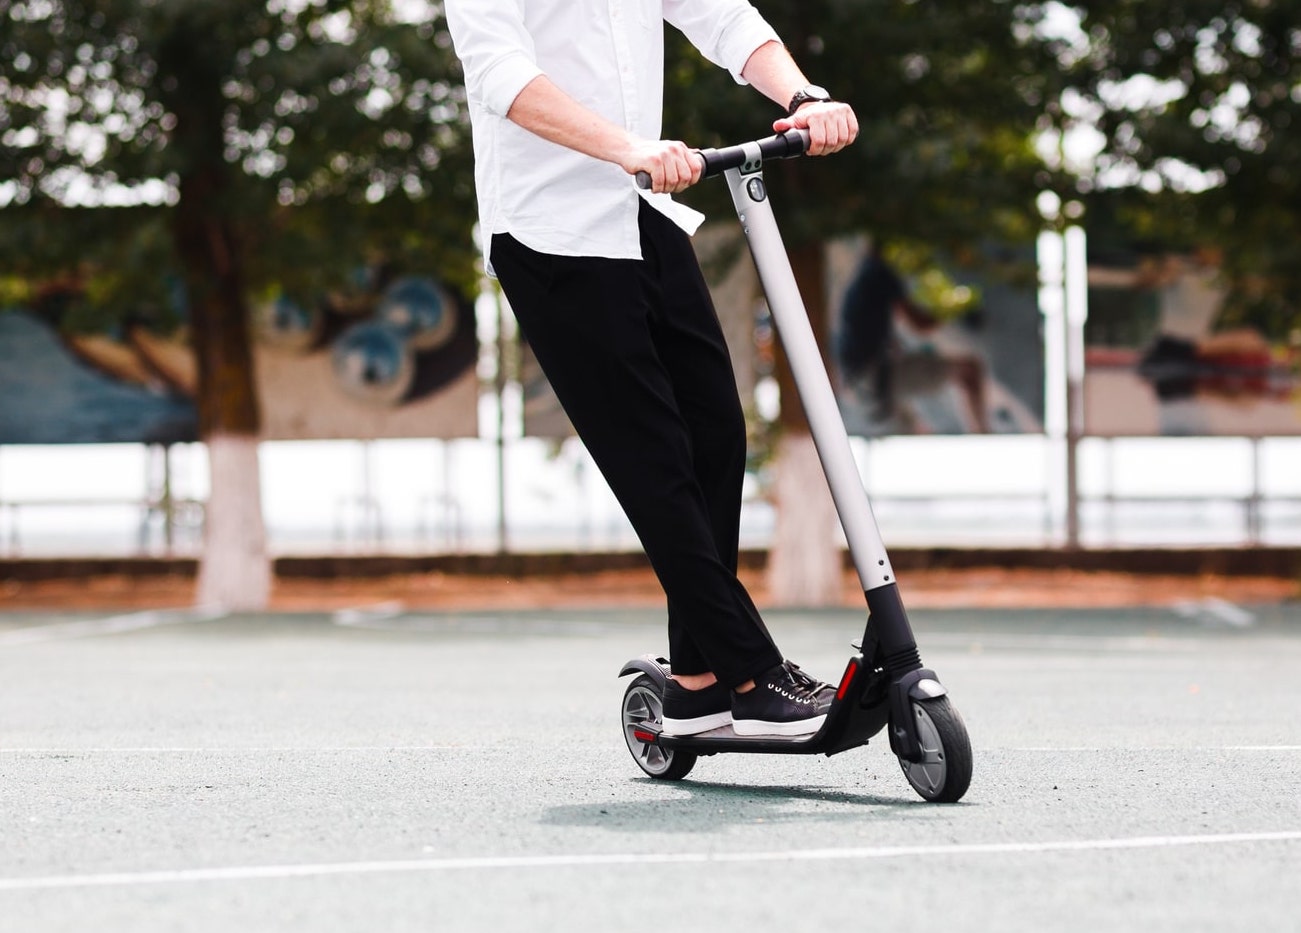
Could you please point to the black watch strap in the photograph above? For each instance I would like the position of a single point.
(810, 92)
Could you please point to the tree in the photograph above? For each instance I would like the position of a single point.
(263, 144)
(948, 98)
(1198, 104)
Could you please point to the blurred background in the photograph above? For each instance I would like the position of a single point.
(242, 314)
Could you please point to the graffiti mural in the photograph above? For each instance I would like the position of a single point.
(389, 358)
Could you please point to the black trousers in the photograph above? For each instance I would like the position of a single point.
(636, 356)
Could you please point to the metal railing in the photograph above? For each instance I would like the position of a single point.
(362, 515)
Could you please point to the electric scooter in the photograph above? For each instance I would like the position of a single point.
(885, 684)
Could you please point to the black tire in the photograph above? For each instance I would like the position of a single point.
(643, 703)
(944, 773)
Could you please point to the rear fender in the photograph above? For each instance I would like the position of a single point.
(655, 668)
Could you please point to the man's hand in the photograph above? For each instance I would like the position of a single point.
(832, 126)
(671, 165)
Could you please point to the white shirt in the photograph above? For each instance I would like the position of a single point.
(609, 56)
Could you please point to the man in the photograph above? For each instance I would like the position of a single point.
(565, 99)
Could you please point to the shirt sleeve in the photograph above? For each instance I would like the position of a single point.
(726, 32)
(495, 50)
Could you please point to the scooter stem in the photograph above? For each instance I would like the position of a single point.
(750, 196)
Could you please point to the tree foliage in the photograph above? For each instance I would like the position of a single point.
(1199, 105)
(263, 145)
(318, 133)
(947, 95)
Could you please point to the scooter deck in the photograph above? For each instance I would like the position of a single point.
(723, 739)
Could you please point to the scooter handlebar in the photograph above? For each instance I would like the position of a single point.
(785, 145)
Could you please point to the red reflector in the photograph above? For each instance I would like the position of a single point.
(850, 669)
(643, 736)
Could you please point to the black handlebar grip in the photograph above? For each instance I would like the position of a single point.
(793, 142)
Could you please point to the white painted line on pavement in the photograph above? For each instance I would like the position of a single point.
(111, 625)
(581, 746)
(515, 863)
(1090, 643)
(380, 620)
(364, 616)
(1262, 748)
(252, 749)
(1214, 609)
(1093, 749)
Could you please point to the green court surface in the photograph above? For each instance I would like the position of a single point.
(383, 770)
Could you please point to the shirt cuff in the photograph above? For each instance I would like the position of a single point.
(741, 40)
(501, 82)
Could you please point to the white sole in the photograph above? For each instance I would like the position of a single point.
(697, 725)
(759, 727)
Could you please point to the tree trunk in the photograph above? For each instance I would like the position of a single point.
(804, 563)
(234, 573)
(234, 570)
(804, 566)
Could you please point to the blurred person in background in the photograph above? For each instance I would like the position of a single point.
(886, 358)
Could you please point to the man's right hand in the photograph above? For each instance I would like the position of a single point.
(672, 165)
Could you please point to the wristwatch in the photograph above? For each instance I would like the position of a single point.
(805, 94)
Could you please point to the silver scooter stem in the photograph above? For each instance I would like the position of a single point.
(750, 196)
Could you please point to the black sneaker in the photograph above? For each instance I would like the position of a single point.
(778, 705)
(690, 712)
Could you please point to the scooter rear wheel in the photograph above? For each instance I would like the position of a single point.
(944, 773)
(643, 704)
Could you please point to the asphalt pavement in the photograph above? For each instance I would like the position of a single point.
(385, 770)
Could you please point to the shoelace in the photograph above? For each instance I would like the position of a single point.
(792, 688)
(810, 684)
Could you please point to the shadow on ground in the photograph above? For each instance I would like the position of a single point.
(705, 807)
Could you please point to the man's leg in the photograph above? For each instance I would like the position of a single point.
(589, 324)
(690, 342)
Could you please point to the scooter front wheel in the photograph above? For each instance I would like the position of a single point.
(944, 772)
(643, 704)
